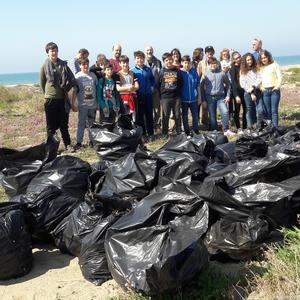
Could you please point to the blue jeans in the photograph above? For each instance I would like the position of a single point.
(254, 109)
(270, 105)
(214, 102)
(193, 106)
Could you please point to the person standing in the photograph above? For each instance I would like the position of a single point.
(197, 57)
(97, 68)
(256, 47)
(74, 64)
(86, 101)
(155, 65)
(250, 80)
(115, 60)
(144, 109)
(56, 80)
(237, 99)
(190, 94)
(170, 83)
(271, 81)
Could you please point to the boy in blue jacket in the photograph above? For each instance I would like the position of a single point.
(144, 109)
(190, 94)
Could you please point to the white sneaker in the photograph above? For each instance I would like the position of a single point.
(229, 133)
(240, 131)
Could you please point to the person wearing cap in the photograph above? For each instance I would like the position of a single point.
(74, 64)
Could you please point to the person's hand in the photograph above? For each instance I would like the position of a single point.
(74, 108)
(105, 109)
(226, 100)
(275, 88)
(238, 100)
(132, 88)
(204, 104)
(199, 100)
(253, 97)
(250, 90)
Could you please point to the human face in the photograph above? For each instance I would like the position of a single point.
(84, 68)
(124, 66)
(213, 66)
(255, 45)
(117, 51)
(264, 59)
(139, 61)
(249, 61)
(108, 72)
(148, 52)
(209, 54)
(53, 54)
(175, 57)
(225, 55)
(186, 65)
(168, 62)
(236, 59)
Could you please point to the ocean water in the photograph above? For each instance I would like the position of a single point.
(33, 77)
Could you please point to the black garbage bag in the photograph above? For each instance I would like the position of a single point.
(18, 167)
(247, 148)
(68, 235)
(239, 239)
(217, 137)
(52, 194)
(225, 153)
(131, 177)
(272, 168)
(68, 173)
(274, 200)
(157, 246)
(92, 257)
(15, 242)
(116, 140)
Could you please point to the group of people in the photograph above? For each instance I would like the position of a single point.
(150, 91)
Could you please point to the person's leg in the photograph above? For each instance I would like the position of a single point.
(267, 111)
(149, 114)
(176, 108)
(212, 110)
(82, 118)
(222, 107)
(275, 99)
(166, 110)
(64, 123)
(237, 109)
(185, 110)
(51, 108)
(194, 111)
(141, 112)
(249, 109)
(156, 109)
(243, 104)
(259, 109)
(90, 121)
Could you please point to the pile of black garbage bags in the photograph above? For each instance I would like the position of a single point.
(150, 220)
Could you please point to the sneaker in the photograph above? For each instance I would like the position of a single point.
(229, 133)
(77, 146)
(70, 148)
(240, 131)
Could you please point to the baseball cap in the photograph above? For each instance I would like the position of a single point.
(209, 49)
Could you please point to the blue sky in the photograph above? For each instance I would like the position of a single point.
(26, 26)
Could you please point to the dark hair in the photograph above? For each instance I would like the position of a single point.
(186, 58)
(50, 46)
(102, 59)
(197, 51)
(107, 66)
(244, 67)
(166, 55)
(84, 61)
(268, 55)
(234, 53)
(212, 60)
(139, 54)
(83, 51)
(124, 58)
(176, 50)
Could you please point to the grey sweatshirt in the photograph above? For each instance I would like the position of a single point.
(215, 83)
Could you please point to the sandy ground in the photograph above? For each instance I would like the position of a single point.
(56, 276)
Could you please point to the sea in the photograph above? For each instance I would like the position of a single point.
(33, 77)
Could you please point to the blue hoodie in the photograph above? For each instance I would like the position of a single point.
(190, 82)
(145, 79)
